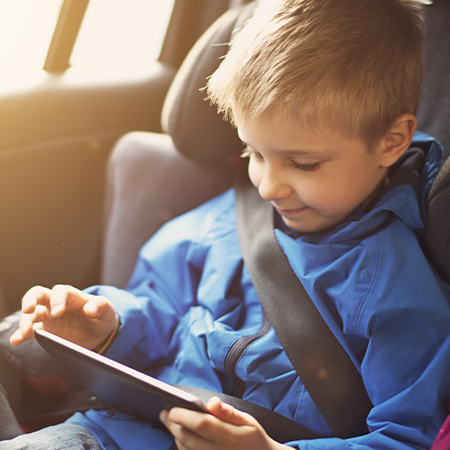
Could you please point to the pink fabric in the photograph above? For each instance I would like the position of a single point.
(442, 441)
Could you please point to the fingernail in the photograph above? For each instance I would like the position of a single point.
(56, 310)
(163, 416)
(92, 308)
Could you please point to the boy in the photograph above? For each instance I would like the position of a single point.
(323, 93)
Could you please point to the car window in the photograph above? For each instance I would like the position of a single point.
(112, 31)
(122, 30)
(26, 29)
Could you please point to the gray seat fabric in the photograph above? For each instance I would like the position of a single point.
(434, 108)
(437, 231)
(194, 125)
(149, 183)
(434, 118)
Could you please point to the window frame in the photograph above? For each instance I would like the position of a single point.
(189, 20)
(65, 34)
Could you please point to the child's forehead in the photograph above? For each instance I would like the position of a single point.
(289, 120)
(316, 114)
(293, 136)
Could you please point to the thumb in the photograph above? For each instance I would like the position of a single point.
(227, 413)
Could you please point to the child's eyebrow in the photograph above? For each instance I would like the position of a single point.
(322, 153)
(298, 152)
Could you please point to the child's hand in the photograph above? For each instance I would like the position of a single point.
(225, 428)
(74, 315)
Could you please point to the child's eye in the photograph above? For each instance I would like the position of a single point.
(307, 167)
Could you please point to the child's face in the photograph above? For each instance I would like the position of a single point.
(313, 176)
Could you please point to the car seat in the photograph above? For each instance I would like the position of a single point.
(190, 161)
(153, 177)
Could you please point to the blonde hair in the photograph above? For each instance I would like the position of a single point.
(352, 64)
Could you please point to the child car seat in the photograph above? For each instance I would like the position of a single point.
(433, 116)
(194, 130)
(143, 164)
(196, 151)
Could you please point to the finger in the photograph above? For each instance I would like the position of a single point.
(25, 331)
(207, 426)
(26, 326)
(16, 338)
(227, 413)
(36, 295)
(181, 446)
(41, 313)
(185, 438)
(99, 307)
(65, 297)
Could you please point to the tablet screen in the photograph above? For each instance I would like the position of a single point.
(120, 386)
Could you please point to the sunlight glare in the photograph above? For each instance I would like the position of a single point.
(26, 29)
(122, 30)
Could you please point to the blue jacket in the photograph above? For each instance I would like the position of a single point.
(190, 298)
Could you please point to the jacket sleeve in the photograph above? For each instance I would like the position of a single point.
(162, 288)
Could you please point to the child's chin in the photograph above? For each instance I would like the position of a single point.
(313, 225)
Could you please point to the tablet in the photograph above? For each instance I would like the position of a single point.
(120, 386)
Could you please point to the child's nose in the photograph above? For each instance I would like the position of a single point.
(273, 187)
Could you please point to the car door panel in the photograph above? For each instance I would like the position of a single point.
(56, 134)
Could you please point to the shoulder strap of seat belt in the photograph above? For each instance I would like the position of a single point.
(324, 367)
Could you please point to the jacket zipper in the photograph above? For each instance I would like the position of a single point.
(236, 351)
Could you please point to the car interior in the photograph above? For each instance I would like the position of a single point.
(58, 128)
(93, 163)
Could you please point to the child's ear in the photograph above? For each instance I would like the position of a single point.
(398, 139)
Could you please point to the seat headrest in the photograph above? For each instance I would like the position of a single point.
(196, 129)
(437, 231)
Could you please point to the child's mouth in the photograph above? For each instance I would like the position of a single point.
(291, 212)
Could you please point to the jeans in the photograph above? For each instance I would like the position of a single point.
(65, 436)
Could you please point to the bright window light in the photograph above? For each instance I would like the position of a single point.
(26, 29)
(122, 30)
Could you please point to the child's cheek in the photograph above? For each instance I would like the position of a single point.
(254, 172)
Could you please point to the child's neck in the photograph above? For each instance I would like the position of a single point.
(370, 201)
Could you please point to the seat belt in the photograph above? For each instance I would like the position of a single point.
(324, 367)
(277, 426)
